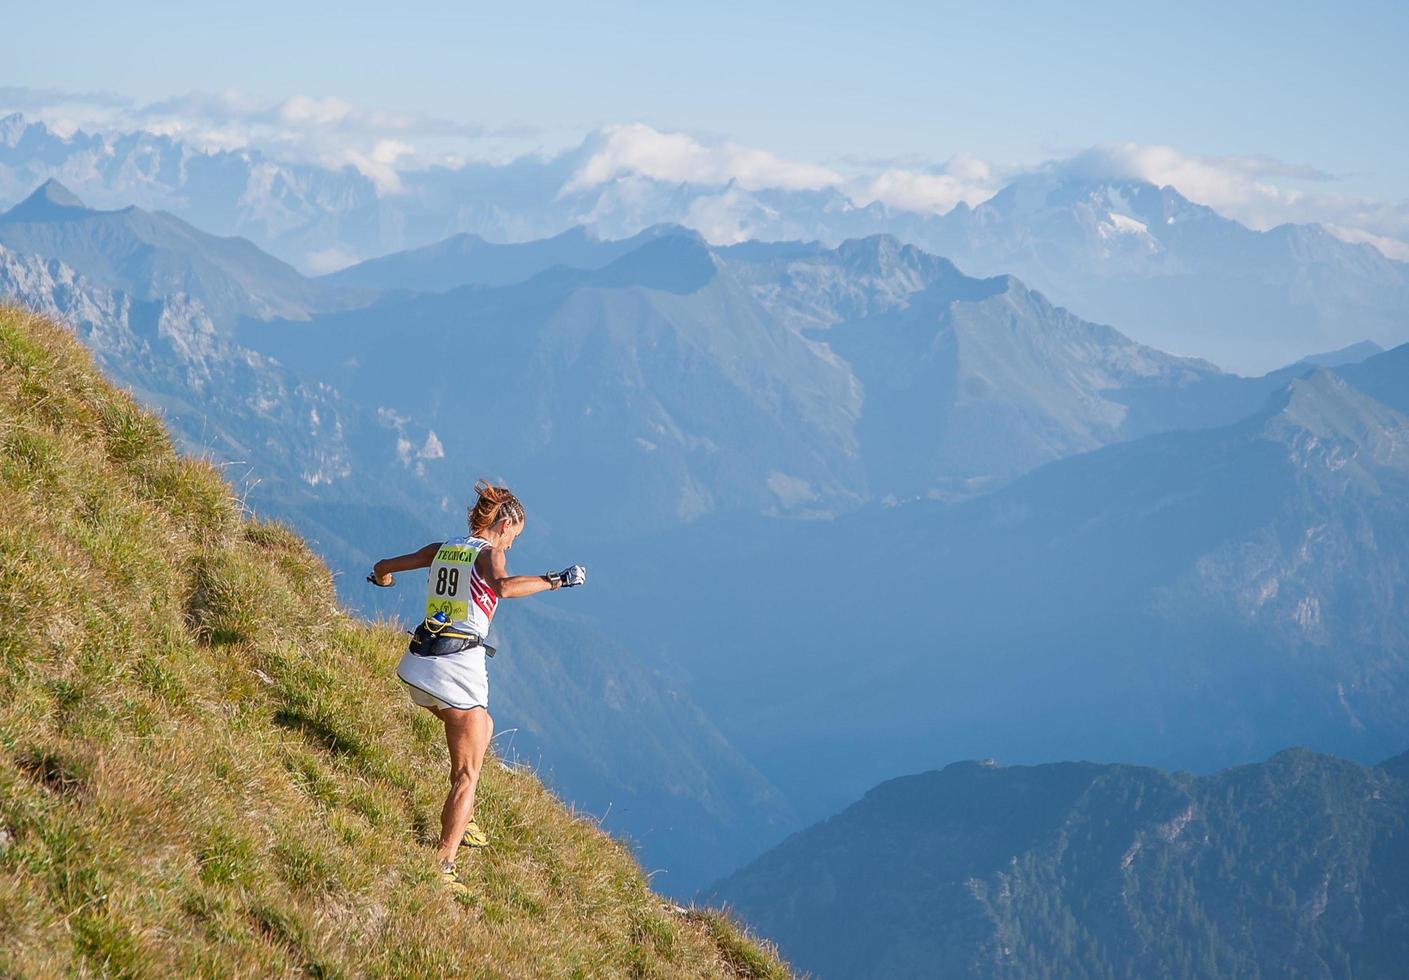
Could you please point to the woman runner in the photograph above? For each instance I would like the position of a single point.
(444, 666)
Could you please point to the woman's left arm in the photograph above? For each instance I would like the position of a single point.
(382, 570)
(495, 571)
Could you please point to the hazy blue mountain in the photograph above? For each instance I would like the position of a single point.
(655, 386)
(1383, 377)
(965, 383)
(908, 378)
(305, 214)
(1187, 599)
(1224, 398)
(468, 260)
(151, 255)
(1179, 275)
(1298, 866)
(761, 379)
(1350, 354)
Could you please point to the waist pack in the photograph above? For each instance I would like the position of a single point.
(426, 642)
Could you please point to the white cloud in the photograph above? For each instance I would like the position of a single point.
(638, 149)
(300, 110)
(300, 128)
(329, 260)
(1220, 182)
(728, 217)
(1390, 247)
(963, 178)
(379, 165)
(1259, 191)
(633, 151)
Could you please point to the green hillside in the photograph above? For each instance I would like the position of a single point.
(207, 767)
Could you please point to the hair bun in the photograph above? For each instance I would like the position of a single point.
(492, 504)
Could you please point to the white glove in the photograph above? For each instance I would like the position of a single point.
(568, 577)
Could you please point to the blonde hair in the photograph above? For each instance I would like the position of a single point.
(493, 505)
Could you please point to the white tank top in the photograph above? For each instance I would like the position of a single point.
(456, 588)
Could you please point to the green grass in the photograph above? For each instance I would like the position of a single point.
(207, 767)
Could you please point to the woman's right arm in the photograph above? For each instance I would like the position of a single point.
(382, 570)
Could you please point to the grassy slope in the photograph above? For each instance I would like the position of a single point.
(205, 765)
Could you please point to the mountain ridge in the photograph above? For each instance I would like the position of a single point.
(150, 254)
(1096, 869)
(468, 259)
(50, 199)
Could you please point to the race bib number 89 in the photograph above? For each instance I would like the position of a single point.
(449, 587)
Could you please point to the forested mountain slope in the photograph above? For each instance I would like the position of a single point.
(1298, 866)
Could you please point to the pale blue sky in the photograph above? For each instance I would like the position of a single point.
(1314, 84)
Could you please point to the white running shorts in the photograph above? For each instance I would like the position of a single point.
(457, 680)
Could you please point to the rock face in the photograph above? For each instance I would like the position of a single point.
(222, 398)
(1298, 866)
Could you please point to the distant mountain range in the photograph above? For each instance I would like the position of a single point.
(1179, 275)
(1167, 272)
(1298, 866)
(290, 209)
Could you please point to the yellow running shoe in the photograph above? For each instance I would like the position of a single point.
(451, 880)
(475, 836)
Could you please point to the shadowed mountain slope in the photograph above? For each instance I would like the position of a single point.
(1298, 866)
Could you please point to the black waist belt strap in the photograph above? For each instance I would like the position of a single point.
(444, 642)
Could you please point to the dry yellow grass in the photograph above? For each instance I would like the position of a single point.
(207, 767)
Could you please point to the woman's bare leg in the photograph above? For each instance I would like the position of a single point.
(467, 734)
